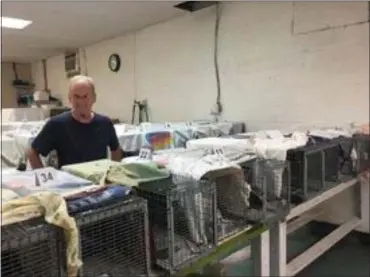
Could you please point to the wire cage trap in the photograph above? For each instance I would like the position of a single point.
(259, 192)
(362, 148)
(182, 221)
(114, 239)
(347, 157)
(233, 205)
(314, 168)
(271, 186)
(32, 248)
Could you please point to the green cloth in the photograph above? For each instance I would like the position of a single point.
(103, 171)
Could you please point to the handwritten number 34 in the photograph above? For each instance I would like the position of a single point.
(46, 177)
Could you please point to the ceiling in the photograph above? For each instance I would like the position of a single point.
(61, 25)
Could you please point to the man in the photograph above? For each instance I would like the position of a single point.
(79, 135)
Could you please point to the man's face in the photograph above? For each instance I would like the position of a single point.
(81, 97)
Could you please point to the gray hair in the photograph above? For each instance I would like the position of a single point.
(82, 79)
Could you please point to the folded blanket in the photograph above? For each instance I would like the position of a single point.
(103, 171)
(97, 198)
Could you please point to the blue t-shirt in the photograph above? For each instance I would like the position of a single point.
(76, 142)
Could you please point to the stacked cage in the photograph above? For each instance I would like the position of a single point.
(182, 221)
(32, 248)
(114, 239)
(362, 147)
(314, 168)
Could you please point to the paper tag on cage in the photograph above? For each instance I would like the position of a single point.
(45, 177)
(167, 125)
(218, 151)
(145, 153)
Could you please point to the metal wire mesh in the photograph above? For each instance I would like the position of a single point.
(233, 205)
(347, 162)
(182, 221)
(347, 166)
(115, 240)
(362, 146)
(260, 194)
(314, 168)
(32, 248)
(271, 185)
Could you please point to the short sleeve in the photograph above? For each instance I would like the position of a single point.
(44, 142)
(113, 139)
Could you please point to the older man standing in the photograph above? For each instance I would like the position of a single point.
(79, 135)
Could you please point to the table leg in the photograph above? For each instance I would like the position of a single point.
(278, 249)
(260, 247)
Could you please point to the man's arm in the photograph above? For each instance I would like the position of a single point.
(34, 158)
(115, 149)
(42, 144)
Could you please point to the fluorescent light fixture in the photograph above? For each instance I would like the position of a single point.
(14, 23)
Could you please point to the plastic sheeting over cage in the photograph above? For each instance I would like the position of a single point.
(22, 114)
(171, 134)
(16, 139)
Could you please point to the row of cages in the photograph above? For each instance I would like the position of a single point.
(167, 224)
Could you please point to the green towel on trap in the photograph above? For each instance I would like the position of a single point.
(107, 171)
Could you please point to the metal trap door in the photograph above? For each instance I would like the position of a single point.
(347, 165)
(179, 219)
(114, 239)
(274, 177)
(314, 168)
(362, 147)
(233, 204)
(32, 248)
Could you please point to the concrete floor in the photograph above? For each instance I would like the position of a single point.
(348, 258)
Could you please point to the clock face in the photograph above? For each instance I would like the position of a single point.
(114, 62)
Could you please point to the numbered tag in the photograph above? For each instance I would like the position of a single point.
(167, 125)
(189, 123)
(45, 177)
(218, 151)
(145, 153)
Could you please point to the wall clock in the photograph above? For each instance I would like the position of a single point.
(114, 62)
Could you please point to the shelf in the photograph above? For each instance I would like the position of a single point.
(223, 250)
(30, 86)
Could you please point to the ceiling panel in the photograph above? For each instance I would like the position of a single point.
(57, 25)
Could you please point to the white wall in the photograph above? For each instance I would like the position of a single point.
(8, 93)
(282, 64)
